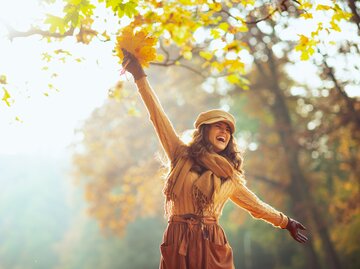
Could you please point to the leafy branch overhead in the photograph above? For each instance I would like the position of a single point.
(211, 29)
(188, 33)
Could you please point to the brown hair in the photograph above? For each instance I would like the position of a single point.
(201, 144)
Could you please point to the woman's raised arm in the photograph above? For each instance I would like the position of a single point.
(163, 127)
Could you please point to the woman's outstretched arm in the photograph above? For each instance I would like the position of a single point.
(246, 199)
(163, 127)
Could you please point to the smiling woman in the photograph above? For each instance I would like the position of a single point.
(203, 176)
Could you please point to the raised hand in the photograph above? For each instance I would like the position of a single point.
(132, 65)
(293, 227)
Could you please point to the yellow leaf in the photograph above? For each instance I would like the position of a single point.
(217, 66)
(139, 43)
(335, 26)
(323, 7)
(305, 5)
(306, 15)
(232, 46)
(340, 14)
(215, 33)
(233, 79)
(306, 47)
(6, 97)
(224, 26)
(106, 36)
(206, 55)
(160, 58)
(235, 66)
(247, 2)
(187, 55)
(215, 6)
(18, 119)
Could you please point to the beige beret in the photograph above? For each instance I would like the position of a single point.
(215, 115)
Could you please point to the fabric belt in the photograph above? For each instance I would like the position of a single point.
(191, 220)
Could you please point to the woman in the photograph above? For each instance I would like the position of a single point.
(204, 174)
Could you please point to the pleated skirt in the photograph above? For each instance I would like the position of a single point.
(193, 242)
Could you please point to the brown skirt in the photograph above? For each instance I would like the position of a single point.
(193, 242)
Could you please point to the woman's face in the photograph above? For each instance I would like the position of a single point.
(219, 135)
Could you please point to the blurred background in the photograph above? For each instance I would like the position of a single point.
(81, 168)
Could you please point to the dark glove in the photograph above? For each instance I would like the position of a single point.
(293, 226)
(132, 65)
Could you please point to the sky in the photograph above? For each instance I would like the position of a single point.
(49, 114)
(48, 117)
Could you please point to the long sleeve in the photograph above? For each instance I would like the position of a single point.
(246, 199)
(163, 127)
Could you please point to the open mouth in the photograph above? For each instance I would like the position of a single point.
(221, 139)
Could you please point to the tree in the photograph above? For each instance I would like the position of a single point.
(213, 39)
(209, 29)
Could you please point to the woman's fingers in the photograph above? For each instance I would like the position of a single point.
(302, 237)
(302, 227)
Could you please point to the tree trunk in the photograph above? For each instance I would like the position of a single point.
(303, 201)
(356, 17)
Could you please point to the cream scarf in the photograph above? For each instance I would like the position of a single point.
(205, 188)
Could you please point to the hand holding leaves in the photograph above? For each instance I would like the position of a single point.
(139, 43)
(131, 64)
(293, 227)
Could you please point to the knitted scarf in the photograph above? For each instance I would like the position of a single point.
(205, 188)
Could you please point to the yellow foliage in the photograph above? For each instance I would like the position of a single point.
(335, 26)
(306, 47)
(305, 4)
(139, 43)
(206, 55)
(234, 66)
(323, 7)
(340, 14)
(306, 15)
(6, 97)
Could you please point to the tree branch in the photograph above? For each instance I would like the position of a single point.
(170, 63)
(356, 17)
(254, 21)
(13, 33)
(349, 102)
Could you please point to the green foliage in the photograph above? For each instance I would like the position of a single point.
(129, 9)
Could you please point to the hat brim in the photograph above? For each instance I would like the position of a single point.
(218, 119)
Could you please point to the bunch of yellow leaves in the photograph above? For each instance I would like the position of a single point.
(138, 43)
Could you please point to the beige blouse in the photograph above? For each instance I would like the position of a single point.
(237, 192)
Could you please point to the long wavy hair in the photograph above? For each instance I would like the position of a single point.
(200, 144)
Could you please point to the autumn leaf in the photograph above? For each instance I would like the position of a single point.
(18, 119)
(206, 55)
(138, 43)
(323, 7)
(306, 16)
(306, 47)
(6, 97)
